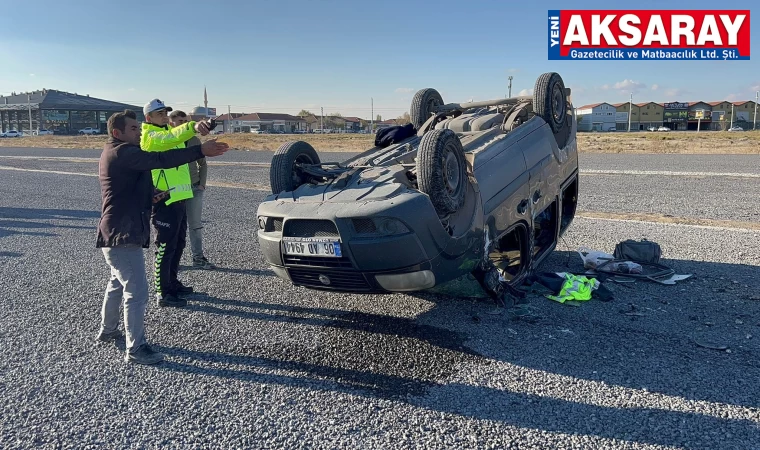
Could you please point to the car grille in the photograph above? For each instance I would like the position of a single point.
(339, 280)
(310, 228)
(316, 261)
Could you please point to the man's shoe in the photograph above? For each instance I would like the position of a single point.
(203, 263)
(144, 355)
(171, 300)
(180, 288)
(108, 337)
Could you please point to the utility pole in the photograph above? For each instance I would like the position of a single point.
(322, 120)
(372, 114)
(732, 115)
(510, 86)
(229, 119)
(29, 103)
(754, 121)
(630, 111)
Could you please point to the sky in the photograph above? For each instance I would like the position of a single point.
(348, 57)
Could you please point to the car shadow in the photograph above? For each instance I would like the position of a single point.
(647, 341)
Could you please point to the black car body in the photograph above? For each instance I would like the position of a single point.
(479, 186)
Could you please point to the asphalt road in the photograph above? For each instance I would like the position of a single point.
(256, 363)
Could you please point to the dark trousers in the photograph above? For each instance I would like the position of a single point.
(170, 223)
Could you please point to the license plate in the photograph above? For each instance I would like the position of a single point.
(312, 247)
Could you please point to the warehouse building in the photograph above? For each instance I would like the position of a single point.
(676, 116)
(58, 111)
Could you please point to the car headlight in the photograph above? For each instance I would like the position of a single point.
(270, 224)
(382, 226)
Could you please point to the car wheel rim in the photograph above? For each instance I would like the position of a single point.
(432, 105)
(300, 159)
(558, 107)
(451, 169)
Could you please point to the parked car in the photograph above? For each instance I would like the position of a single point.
(736, 129)
(12, 133)
(89, 130)
(42, 132)
(663, 129)
(485, 188)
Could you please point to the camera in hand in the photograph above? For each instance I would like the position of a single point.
(211, 124)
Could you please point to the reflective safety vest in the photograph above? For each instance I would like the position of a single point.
(575, 287)
(160, 139)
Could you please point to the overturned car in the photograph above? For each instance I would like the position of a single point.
(485, 188)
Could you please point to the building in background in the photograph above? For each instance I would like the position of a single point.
(596, 117)
(268, 122)
(622, 114)
(226, 122)
(650, 115)
(58, 111)
(675, 115)
(699, 115)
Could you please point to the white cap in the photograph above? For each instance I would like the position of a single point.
(155, 105)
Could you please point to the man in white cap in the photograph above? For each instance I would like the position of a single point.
(169, 216)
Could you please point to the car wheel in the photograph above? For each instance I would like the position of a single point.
(423, 106)
(442, 170)
(283, 175)
(550, 103)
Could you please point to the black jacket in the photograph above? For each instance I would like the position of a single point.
(126, 189)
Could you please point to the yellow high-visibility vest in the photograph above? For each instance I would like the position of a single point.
(160, 139)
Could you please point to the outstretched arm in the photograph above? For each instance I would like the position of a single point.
(161, 140)
(134, 158)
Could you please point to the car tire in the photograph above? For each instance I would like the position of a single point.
(442, 170)
(550, 103)
(282, 173)
(423, 106)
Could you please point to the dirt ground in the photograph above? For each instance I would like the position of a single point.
(705, 142)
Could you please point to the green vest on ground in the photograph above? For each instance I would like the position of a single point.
(160, 139)
(577, 288)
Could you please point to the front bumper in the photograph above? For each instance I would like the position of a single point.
(412, 254)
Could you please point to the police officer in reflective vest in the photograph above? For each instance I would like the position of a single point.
(169, 217)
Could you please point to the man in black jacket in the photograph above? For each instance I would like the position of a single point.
(124, 227)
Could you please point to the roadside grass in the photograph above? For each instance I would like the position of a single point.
(642, 142)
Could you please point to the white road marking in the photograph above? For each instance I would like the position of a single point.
(669, 173)
(48, 171)
(583, 171)
(668, 224)
(77, 159)
(255, 187)
(250, 187)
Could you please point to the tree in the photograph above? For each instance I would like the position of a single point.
(337, 114)
(305, 113)
(379, 118)
(404, 119)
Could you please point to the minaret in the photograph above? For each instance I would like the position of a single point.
(205, 100)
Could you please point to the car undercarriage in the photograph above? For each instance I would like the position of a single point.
(479, 188)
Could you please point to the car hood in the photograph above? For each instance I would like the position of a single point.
(358, 185)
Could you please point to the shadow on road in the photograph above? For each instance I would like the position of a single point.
(47, 214)
(413, 360)
(20, 220)
(252, 271)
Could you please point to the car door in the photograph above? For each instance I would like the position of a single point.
(503, 182)
(543, 187)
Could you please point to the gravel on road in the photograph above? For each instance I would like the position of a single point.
(255, 362)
